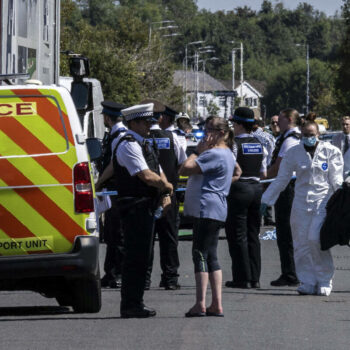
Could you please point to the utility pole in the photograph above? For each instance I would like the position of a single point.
(186, 65)
(233, 53)
(204, 60)
(196, 56)
(185, 101)
(307, 78)
(233, 79)
(241, 74)
(204, 97)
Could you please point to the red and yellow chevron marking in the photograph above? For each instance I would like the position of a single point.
(30, 144)
(46, 107)
(39, 219)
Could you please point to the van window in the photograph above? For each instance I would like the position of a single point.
(91, 126)
(31, 126)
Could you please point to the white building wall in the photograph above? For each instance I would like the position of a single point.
(250, 97)
(219, 101)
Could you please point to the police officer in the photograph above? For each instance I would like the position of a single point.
(113, 232)
(268, 141)
(141, 185)
(243, 214)
(290, 136)
(167, 123)
(171, 156)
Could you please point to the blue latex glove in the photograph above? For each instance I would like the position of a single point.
(263, 209)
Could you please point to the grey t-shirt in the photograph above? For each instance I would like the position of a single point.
(217, 165)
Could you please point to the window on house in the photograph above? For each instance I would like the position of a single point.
(203, 101)
(222, 101)
(249, 102)
(255, 102)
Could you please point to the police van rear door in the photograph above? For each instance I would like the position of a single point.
(37, 157)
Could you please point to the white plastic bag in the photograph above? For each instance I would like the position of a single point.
(103, 203)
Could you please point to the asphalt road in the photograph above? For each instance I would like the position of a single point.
(270, 318)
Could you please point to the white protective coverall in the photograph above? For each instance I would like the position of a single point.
(316, 181)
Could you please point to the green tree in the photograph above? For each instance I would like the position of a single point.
(287, 87)
(212, 108)
(128, 66)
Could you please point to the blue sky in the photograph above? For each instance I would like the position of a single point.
(327, 6)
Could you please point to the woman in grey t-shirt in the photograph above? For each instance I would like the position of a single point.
(214, 160)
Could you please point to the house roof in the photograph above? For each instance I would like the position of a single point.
(257, 85)
(210, 83)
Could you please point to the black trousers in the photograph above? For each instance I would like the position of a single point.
(167, 231)
(242, 230)
(283, 208)
(114, 239)
(138, 237)
(268, 216)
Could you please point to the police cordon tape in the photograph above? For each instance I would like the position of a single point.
(107, 193)
(181, 189)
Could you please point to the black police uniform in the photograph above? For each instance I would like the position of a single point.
(243, 215)
(112, 228)
(166, 227)
(113, 231)
(137, 201)
(283, 208)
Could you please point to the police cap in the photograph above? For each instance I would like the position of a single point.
(243, 114)
(160, 108)
(182, 115)
(141, 111)
(112, 109)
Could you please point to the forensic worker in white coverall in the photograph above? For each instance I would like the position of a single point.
(319, 173)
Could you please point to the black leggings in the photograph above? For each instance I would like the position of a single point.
(205, 243)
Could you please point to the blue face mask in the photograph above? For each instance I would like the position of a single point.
(309, 141)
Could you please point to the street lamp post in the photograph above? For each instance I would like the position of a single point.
(307, 78)
(233, 54)
(197, 76)
(186, 63)
(203, 62)
(161, 23)
(241, 74)
(196, 68)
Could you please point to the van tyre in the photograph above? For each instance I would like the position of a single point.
(87, 295)
(64, 300)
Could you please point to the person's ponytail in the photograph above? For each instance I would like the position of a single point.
(230, 139)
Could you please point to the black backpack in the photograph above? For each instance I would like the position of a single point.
(336, 227)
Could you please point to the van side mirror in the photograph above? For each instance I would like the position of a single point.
(81, 92)
(94, 148)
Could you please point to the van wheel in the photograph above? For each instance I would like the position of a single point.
(87, 295)
(64, 299)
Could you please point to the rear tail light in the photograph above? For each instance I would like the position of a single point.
(83, 196)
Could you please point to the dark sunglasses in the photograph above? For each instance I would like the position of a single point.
(274, 123)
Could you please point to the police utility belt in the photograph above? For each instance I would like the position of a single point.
(125, 203)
